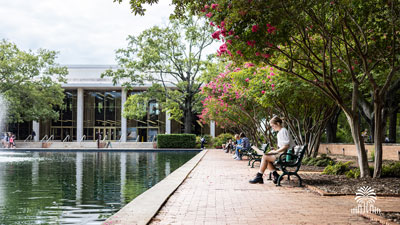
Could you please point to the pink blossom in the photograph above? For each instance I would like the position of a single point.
(272, 68)
(254, 28)
(216, 34)
(209, 15)
(270, 29)
(263, 81)
(266, 56)
(247, 65)
(206, 6)
(223, 24)
(339, 70)
(231, 32)
(214, 6)
(262, 92)
(236, 70)
(229, 41)
(212, 24)
(257, 54)
(251, 43)
(223, 48)
(239, 52)
(247, 79)
(272, 85)
(272, 73)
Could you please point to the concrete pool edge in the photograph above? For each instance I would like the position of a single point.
(97, 149)
(144, 207)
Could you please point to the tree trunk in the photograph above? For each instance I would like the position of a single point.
(316, 146)
(188, 116)
(331, 128)
(378, 137)
(359, 143)
(393, 125)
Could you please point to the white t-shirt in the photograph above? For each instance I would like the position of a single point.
(284, 138)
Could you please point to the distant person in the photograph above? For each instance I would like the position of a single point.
(202, 142)
(12, 142)
(387, 139)
(364, 135)
(33, 135)
(4, 140)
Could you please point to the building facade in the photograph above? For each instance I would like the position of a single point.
(93, 108)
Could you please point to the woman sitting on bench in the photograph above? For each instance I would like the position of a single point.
(285, 142)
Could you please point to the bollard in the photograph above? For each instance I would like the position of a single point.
(343, 151)
(398, 153)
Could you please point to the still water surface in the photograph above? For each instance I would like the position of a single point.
(77, 187)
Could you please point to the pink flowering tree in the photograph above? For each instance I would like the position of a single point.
(229, 102)
(336, 46)
(347, 49)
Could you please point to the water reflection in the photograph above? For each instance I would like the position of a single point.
(77, 188)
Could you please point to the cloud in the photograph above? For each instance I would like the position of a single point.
(84, 32)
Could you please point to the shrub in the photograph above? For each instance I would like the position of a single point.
(372, 154)
(391, 170)
(222, 139)
(176, 140)
(337, 169)
(353, 173)
(321, 160)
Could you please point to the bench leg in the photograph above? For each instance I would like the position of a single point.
(270, 176)
(300, 180)
(279, 179)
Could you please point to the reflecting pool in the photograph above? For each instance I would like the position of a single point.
(77, 187)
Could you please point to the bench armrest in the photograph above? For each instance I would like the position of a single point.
(282, 159)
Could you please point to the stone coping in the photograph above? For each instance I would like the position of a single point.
(95, 149)
(144, 207)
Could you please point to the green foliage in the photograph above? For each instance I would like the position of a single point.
(171, 59)
(222, 139)
(391, 170)
(339, 168)
(30, 82)
(321, 160)
(372, 154)
(176, 140)
(353, 173)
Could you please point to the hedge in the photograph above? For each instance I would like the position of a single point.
(176, 141)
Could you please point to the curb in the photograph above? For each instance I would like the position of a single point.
(145, 206)
(324, 193)
(378, 219)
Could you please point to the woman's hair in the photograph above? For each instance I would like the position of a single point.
(236, 136)
(276, 120)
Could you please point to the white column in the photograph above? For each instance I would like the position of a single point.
(123, 119)
(167, 123)
(212, 128)
(36, 128)
(79, 116)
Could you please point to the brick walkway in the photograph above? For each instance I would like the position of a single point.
(217, 192)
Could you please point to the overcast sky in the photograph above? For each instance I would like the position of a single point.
(82, 31)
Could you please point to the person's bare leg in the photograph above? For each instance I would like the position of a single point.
(264, 164)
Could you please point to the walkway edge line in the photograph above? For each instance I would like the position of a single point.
(145, 206)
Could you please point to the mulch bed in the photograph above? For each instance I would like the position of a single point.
(392, 216)
(349, 186)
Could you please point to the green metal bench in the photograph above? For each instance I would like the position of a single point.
(255, 157)
(287, 160)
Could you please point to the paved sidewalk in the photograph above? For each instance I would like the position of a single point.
(217, 192)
